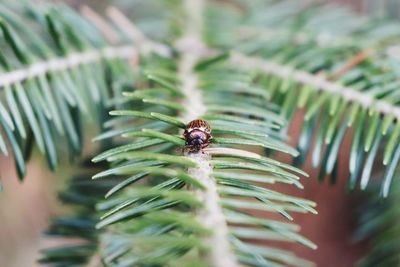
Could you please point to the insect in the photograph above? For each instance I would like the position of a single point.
(197, 135)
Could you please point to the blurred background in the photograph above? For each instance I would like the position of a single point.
(25, 208)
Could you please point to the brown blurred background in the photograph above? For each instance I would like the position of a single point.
(25, 208)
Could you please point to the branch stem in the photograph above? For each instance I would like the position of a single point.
(72, 60)
(317, 82)
(141, 41)
(211, 215)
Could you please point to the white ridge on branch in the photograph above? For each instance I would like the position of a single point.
(211, 215)
(317, 82)
(144, 44)
(72, 60)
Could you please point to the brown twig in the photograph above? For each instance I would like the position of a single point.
(353, 62)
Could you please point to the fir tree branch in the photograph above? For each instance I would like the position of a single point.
(211, 216)
(316, 82)
(143, 43)
(65, 63)
(102, 25)
(210, 203)
(129, 28)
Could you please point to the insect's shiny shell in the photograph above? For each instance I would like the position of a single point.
(201, 125)
(197, 135)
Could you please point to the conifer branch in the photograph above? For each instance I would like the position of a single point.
(142, 42)
(147, 223)
(211, 216)
(101, 24)
(317, 82)
(72, 60)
